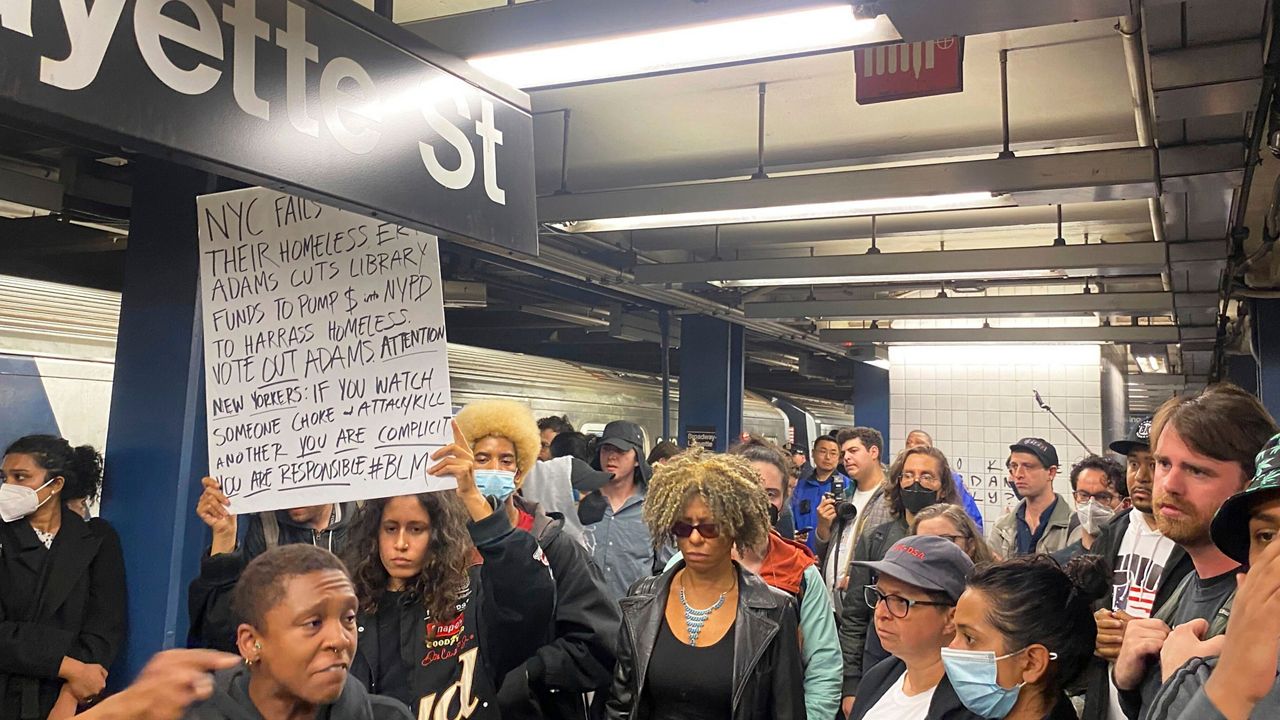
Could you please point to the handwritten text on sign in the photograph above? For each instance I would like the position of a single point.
(324, 340)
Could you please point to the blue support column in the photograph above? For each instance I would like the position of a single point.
(1242, 370)
(737, 381)
(156, 449)
(1266, 344)
(871, 397)
(711, 372)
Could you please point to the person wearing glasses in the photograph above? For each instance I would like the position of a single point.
(955, 524)
(913, 597)
(1043, 520)
(706, 638)
(1100, 493)
(920, 477)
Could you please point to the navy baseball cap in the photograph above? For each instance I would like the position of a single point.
(929, 562)
(1044, 451)
(1139, 439)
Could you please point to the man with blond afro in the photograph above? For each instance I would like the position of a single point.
(552, 684)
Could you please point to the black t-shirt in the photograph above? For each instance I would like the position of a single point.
(691, 683)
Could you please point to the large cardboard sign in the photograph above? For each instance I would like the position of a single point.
(327, 373)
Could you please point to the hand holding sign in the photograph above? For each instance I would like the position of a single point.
(456, 459)
(212, 509)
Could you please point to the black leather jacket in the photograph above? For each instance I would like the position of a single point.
(768, 680)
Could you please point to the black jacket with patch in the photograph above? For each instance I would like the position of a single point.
(67, 600)
(213, 625)
(459, 662)
(551, 684)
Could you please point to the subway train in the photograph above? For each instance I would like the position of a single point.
(57, 345)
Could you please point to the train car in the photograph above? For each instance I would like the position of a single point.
(57, 344)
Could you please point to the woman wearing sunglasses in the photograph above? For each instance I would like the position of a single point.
(1024, 630)
(707, 639)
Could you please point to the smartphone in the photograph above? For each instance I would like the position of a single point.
(804, 530)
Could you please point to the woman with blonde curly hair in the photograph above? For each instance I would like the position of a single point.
(707, 639)
(452, 596)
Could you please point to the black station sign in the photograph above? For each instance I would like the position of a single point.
(300, 95)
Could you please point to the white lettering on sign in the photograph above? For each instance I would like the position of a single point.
(327, 373)
(350, 104)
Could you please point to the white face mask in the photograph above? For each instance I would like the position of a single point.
(19, 501)
(1093, 515)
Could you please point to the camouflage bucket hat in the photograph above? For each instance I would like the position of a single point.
(1230, 527)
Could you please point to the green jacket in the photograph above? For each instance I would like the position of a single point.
(1059, 534)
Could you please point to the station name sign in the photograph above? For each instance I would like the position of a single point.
(293, 94)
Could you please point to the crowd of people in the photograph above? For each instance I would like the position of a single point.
(579, 577)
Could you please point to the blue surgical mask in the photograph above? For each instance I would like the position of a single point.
(497, 484)
(973, 676)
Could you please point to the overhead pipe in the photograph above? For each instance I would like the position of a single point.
(1135, 62)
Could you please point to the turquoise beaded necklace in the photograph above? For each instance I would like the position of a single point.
(694, 618)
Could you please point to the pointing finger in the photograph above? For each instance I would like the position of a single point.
(459, 437)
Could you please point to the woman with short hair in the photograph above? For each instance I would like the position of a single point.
(953, 523)
(298, 640)
(707, 639)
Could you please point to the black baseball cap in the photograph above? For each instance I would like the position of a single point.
(929, 562)
(1044, 451)
(796, 449)
(626, 435)
(1139, 439)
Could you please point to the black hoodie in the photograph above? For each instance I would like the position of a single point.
(209, 596)
(230, 701)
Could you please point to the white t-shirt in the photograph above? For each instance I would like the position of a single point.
(897, 705)
(1144, 552)
(845, 545)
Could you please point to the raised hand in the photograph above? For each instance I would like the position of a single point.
(212, 509)
(456, 459)
(1246, 671)
(171, 682)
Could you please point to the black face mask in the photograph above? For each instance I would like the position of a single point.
(773, 515)
(917, 498)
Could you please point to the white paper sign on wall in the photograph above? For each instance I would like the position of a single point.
(326, 370)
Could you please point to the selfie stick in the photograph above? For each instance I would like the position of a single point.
(1044, 406)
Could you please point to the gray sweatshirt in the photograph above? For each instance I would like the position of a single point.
(1183, 696)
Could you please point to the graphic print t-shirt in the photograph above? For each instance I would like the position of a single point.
(1144, 552)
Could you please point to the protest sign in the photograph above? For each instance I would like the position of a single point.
(326, 370)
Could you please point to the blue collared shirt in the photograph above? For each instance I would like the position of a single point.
(619, 543)
(1027, 540)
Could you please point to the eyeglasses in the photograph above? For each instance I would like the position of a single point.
(897, 605)
(957, 539)
(928, 480)
(709, 531)
(1105, 498)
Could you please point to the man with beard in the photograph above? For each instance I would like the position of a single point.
(1146, 567)
(1205, 448)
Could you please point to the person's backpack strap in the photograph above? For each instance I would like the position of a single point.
(270, 528)
(1218, 625)
(1170, 605)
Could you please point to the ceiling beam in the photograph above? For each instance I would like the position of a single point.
(928, 19)
(1122, 174)
(1068, 261)
(1134, 303)
(1113, 334)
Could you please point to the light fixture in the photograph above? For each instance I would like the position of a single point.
(777, 213)
(1151, 359)
(100, 227)
(882, 364)
(1030, 274)
(771, 35)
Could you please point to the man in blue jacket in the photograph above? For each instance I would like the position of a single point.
(811, 488)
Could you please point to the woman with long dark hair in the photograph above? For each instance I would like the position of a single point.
(1024, 631)
(452, 597)
(62, 592)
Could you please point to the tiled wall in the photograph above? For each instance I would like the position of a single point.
(976, 400)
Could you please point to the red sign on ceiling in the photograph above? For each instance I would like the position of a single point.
(909, 70)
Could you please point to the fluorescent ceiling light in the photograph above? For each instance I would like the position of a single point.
(882, 364)
(716, 43)
(1030, 274)
(812, 211)
(109, 229)
(1152, 363)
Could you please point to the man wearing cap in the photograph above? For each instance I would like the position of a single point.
(1205, 449)
(1235, 676)
(556, 484)
(914, 595)
(1043, 520)
(1146, 566)
(613, 516)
